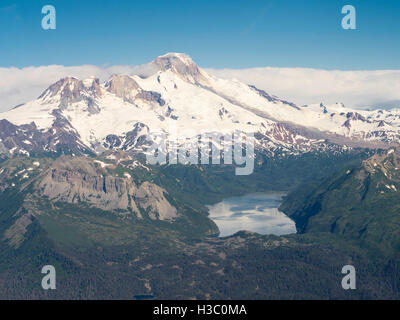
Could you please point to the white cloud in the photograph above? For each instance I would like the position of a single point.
(358, 89)
(302, 86)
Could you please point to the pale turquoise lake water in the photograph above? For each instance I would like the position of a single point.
(255, 212)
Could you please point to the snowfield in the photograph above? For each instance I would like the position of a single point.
(183, 100)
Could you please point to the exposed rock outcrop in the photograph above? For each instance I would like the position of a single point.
(84, 180)
(128, 89)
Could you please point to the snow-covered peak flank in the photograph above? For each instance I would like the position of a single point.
(183, 66)
(182, 99)
(174, 56)
(68, 86)
(91, 82)
(69, 90)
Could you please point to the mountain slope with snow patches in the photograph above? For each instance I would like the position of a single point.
(181, 99)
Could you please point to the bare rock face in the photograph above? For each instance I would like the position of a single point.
(152, 97)
(76, 180)
(71, 90)
(151, 197)
(17, 138)
(183, 66)
(124, 87)
(128, 89)
(28, 139)
(15, 235)
(137, 139)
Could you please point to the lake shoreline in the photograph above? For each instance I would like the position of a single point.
(255, 212)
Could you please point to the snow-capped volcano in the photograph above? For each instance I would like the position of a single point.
(180, 98)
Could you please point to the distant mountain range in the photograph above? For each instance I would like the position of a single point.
(85, 116)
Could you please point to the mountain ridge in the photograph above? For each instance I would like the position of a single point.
(178, 94)
(358, 204)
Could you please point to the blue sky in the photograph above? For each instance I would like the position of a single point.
(216, 34)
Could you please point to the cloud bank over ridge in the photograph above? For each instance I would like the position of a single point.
(358, 89)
